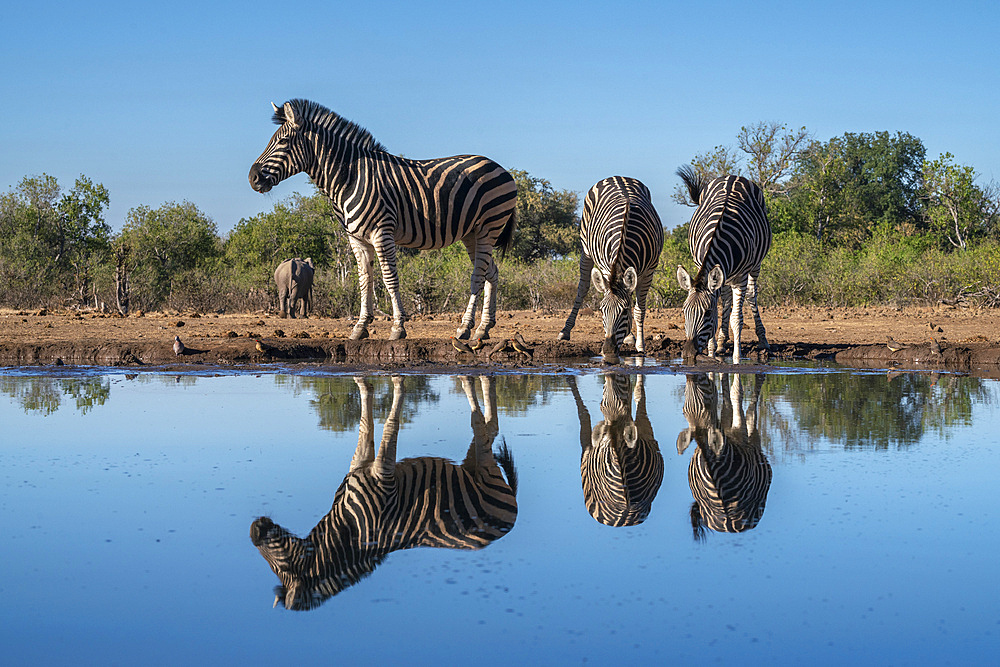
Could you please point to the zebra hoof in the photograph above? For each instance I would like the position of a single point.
(397, 333)
(462, 334)
(481, 335)
(359, 333)
(563, 335)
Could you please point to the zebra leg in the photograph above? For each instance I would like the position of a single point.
(758, 323)
(480, 452)
(736, 322)
(365, 452)
(639, 313)
(385, 462)
(478, 278)
(385, 248)
(364, 254)
(586, 266)
(488, 319)
(725, 306)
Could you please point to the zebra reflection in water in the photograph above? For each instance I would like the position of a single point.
(382, 506)
(729, 474)
(621, 467)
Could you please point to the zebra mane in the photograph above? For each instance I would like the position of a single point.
(332, 122)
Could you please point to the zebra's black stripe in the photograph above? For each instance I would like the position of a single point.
(621, 237)
(385, 201)
(729, 236)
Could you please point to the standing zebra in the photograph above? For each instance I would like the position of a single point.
(729, 236)
(729, 474)
(382, 506)
(621, 467)
(385, 201)
(621, 233)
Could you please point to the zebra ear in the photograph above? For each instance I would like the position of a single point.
(715, 278)
(289, 114)
(291, 593)
(683, 278)
(597, 278)
(630, 279)
(631, 435)
(684, 440)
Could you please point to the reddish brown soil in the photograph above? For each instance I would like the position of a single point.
(969, 339)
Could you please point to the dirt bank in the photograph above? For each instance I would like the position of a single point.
(967, 339)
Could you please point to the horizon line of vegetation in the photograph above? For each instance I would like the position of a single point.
(861, 219)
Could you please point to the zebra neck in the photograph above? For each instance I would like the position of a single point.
(337, 166)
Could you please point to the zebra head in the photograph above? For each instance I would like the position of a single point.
(701, 312)
(622, 469)
(290, 558)
(286, 154)
(615, 309)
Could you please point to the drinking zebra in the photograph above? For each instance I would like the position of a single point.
(385, 201)
(621, 234)
(729, 236)
(729, 474)
(621, 467)
(382, 506)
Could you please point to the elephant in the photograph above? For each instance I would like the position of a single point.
(294, 278)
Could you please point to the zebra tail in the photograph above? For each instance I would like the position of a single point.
(694, 181)
(506, 240)
(697, 525)
(506, 461)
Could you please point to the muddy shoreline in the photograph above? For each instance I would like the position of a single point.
(942, 338)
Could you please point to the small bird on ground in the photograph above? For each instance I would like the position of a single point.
(460, 345)
(178, 346)
(520, 339)
(935, 346)
(519, 345)
(478, 344)
(499, 347)
(893, 345)
(260, 346)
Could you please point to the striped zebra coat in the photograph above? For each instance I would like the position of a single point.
(621, 468)
(729, 235)
(383, 506)
(729, 474)
(621, 237)
(385, 201)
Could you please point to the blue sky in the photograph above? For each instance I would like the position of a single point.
(171, 101)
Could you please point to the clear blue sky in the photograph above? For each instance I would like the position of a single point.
(171, 101)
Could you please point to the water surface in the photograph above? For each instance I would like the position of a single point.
(818, 515)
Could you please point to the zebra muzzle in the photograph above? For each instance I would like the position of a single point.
(259, 180)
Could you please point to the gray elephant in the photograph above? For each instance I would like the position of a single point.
(294, 278)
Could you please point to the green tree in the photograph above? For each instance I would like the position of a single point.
(843, 189)
(771, 150)
(765, 153)
(166, 243)
(547, 221)
(50, 243)
(958, 210)
(297, 227)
